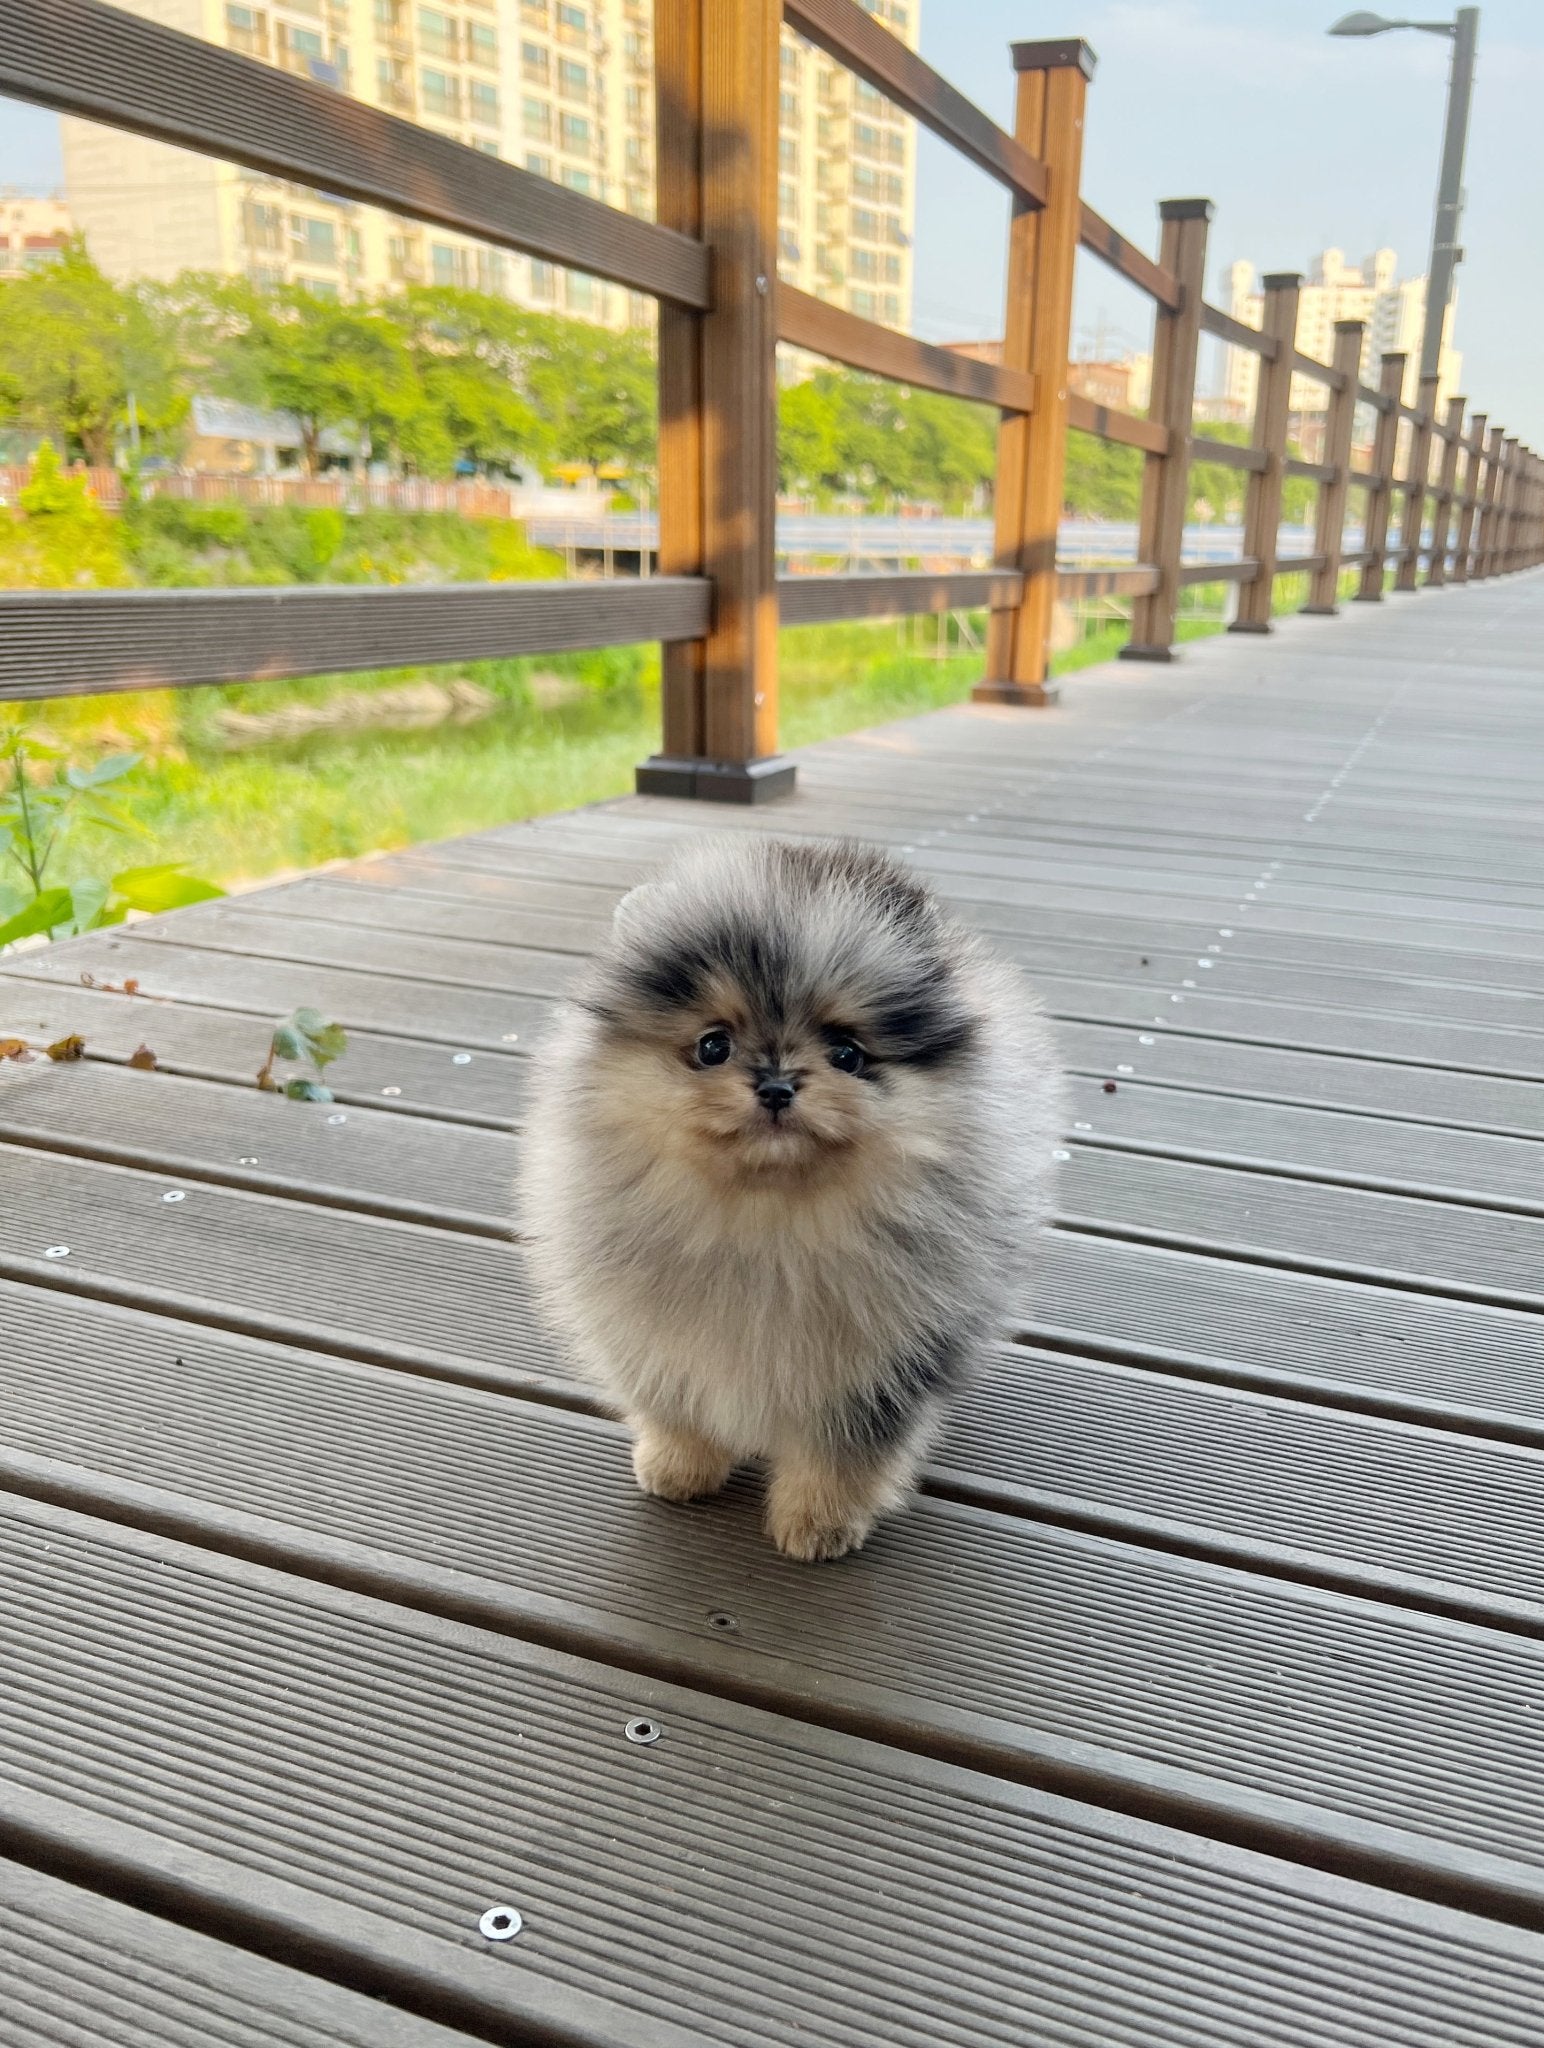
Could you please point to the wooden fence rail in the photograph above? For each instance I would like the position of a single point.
(709, 259)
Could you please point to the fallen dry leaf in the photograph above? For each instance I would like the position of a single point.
(15, 1049)
(66, 1048)
(142, 1056)
(127, 987)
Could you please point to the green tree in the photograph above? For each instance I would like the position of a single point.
(63, 540)
(73, 347)
(595, 389)
(470, 353)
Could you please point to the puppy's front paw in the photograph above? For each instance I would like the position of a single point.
(812, 1534)
(677, 1464)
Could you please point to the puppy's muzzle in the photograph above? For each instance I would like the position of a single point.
(775, 1093)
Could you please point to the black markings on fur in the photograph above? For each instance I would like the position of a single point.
(884, 1414)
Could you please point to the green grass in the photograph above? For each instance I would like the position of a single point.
(239, 816)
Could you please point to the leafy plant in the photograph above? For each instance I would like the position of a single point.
(305, 1036)
(37, 813)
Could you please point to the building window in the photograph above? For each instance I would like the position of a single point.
(863, 303)
(441, 95)
(865, 263)
(892, 310)
(437, 33)
(491, 269)
(579, 181)
(388, 17)
(867, 226)
(573, 24)
(482, 45)
(787, 154)
(573, 79)
(543, 280)
(313, 241)
(574, 134)
(447, 265)
(788, 109)
(483, 103)
(788, 61)
(580, 293)
(264, 225)
(535, 63)
(320, 288)
(867, 139)
(788, 198)
(300, 49)
(536, 120)
(540, 166)
(247, 30)
(895, 189)
(535, 10)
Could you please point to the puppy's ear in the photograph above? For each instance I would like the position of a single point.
(635, 909)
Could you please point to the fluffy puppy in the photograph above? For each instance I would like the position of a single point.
(789, 1146)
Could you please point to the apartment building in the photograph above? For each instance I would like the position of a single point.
(1392, 308)
(563, 88)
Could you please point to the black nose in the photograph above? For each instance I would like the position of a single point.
(775, 1093)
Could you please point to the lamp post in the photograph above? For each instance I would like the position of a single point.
(1463, 31)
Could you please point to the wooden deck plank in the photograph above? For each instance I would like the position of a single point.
(375, 1289)
(469, 1506)
(106, 1399)
(523, 1789)
(80, 1969)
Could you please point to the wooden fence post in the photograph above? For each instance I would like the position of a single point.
(716, 93)
(1506, 525)
(1442, 516)
(1166, 478)
(1262, 499)
(1474, 450)
(1032, 448)
(1380, 494)
(1485, 527)
(1330, 526)
(1417, 483)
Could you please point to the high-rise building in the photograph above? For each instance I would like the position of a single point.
(563, 88)
(1392, 308)
(33, 231)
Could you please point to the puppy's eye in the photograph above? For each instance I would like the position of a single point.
(846, 1057)
(713, 1048)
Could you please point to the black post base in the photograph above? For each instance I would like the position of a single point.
(1138, 650)
(1027, 696)
(1249, 626)
(1318, 611)
(716, 782)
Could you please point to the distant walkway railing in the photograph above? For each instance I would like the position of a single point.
(710, 259)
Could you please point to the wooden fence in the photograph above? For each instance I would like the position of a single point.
(710, 259)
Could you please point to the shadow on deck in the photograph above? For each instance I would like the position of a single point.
(1196, 1700)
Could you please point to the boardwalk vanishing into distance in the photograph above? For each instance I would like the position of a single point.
(1195, 1700)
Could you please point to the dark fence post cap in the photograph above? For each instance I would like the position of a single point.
(1185, 209)
(1283, 280)
(1054, 56)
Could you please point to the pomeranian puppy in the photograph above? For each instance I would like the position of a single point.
(790, 1144)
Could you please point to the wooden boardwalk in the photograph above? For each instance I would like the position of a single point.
(1198, 1701)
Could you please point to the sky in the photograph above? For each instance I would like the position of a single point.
(1300, 140)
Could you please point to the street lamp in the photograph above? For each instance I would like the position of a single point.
(1464, 31)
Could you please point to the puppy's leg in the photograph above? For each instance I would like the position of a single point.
(676, 1463)
(822, 1504)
